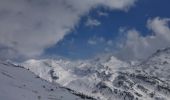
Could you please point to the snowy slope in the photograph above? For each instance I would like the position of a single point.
(108, 78)
(18, 83)
(158, 64)
(81, 76)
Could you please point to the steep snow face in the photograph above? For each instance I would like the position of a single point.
(158, 64)
(61, 71)
(18, 83)
(107, 78)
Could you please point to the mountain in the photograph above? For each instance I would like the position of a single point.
(17, 83)
(81, 76)
(158, 64)
(108, 78)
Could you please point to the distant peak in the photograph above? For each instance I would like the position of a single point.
(163, 50)
(160, 52)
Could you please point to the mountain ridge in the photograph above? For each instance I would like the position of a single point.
(106, 78)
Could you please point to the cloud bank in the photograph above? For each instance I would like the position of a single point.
(136, 46)
(27, 27)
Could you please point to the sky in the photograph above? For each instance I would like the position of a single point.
(76, 29)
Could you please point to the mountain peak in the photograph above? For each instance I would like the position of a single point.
(161, 51)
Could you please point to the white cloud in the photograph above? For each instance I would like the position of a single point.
(92, 42)
(27, 27)
(96, 40)
(92, 22)
(103, 42)
(138, 47)
(100, 13)
(110, 42)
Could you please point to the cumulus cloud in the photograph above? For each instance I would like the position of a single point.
(136, 46)
(27, 27)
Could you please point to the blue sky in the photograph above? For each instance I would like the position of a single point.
(75, 45)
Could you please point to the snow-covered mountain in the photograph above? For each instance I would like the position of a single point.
(158, 64)
(81, 76)
(17, 83)
(108, 78)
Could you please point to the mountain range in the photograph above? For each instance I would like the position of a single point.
(108, 78)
